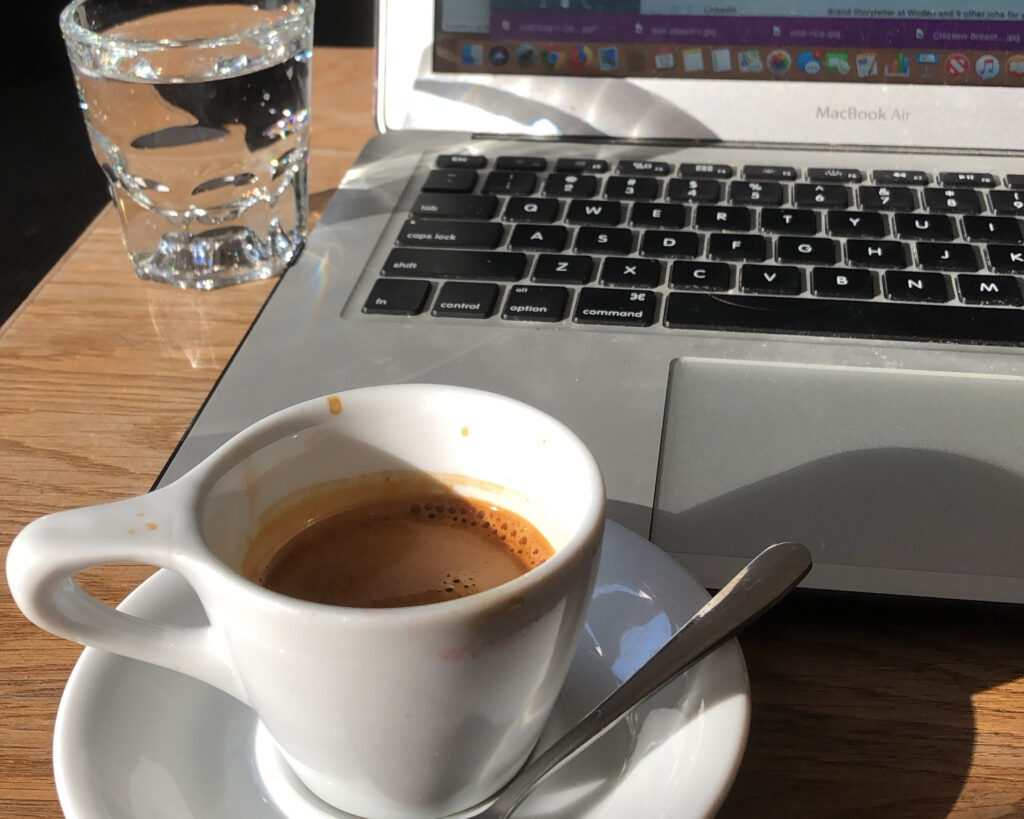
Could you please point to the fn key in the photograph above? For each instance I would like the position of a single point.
(397, 297)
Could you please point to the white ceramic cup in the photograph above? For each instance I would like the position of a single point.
(404, 712)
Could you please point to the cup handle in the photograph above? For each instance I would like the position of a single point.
(45, 556)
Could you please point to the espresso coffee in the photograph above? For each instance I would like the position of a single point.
(405, 549)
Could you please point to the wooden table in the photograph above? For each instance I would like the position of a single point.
(862, 707)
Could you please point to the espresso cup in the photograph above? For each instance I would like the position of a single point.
(414, 711)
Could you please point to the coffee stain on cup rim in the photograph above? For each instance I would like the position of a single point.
(334, 404)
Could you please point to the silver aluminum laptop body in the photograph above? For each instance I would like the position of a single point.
(899, 463)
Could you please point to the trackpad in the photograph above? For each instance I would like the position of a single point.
(881, 469)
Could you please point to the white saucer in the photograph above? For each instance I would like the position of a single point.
(133, 740)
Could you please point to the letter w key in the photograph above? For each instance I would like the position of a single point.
(588, 212)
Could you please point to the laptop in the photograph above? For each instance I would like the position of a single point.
(763, 257)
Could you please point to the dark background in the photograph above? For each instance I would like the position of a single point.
(52, 186)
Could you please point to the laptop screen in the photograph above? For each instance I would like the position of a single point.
(939, 42)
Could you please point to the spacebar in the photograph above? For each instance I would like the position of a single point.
(836, 317)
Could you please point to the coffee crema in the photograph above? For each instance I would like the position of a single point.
(404, 549)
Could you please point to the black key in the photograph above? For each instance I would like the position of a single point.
(843, 282)
(1007, 201)
(673, 243)
(538, 237)
(884, 198)
(397, 297)
(570, 184)
(465, 300)
(913, 285)
(455, 264)
(807, 250)
(603, 240)
(631, 187)
(455, 205)
(450, 181)
(924, 226)
(529, 303)
(967, 179)
(1006, 259)
(581, 165)
(594, 213)
(756, 193)
(834, 175)
(646, 214)
(521, 163)
(901, 177)
(631, 272)
(700, 276)
(1015, 180)
(737, 247)
(606, 305)
(856, 224)
(952, 200)
(563, 269)
(449, 233)
(706, 170)
(694, 190)
(821, 196)
(771, 279)
(723, 218)
(876, 254)
(947, 256)
(510, 182)
(766, 172)
(992, 229)
(642, 167)
(530, 209)
(990, 290)
(798, 222)
(461, 161)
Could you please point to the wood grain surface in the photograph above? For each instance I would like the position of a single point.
(862, 706)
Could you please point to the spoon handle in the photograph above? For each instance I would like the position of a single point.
(759, 585)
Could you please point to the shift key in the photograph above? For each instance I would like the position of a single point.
(455, 264)
(450, 233)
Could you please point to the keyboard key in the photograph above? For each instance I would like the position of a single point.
(530, 303)
(767, 172)
(700, 276)
(771, 279)
(581, 165)
(449, 233)
(992, 229)
(594, 213)
(856, 224)
(821, 196)
(805, 250)
(572, 269)
(530, 209)
(631, 187)
(876, 254)
(834, 175)
(1006, 259)
(694, 190)
(603, 240)
(455, 205)
(967, 179)
(510, 182)
(723, 218)
(521, 163)
(643, 167)
(843, 282)
(901, 177)
(947, 256)
(924, 226)
(646, 214)
(669, 243)
(450, 181)
(706, 170)
(397, 297)
(630, 272)
(1007, 201)
(737, 247)
(756, 193)
(1015, 180)
(907, 285)
(570, 184)
(885, 198)
(538, 237)
(953, 200)
(990, 290)
(606, 305)
(461, 161)
(465, 300)
(455, 264)
(799, 222)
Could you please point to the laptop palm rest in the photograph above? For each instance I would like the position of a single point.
(907, 476)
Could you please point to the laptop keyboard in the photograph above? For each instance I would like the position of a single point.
(899, 253)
